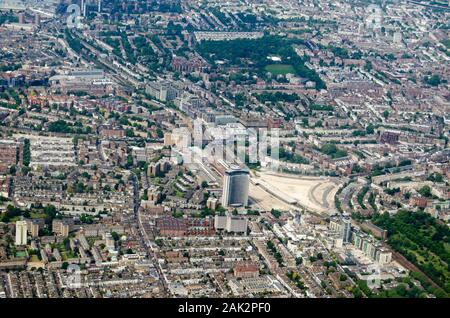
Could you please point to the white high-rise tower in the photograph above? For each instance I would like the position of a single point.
(346, 228)
(21, 233)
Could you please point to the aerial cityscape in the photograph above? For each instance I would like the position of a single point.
(224, 149)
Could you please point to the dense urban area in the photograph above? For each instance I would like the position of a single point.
(115, 116)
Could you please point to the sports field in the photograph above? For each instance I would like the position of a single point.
(280, 69)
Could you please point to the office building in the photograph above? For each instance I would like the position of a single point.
(61, 227)
(371, 248)
(343, 227)
(297, 219)
(162, 91)
(384, 256)
(83, 7)
(37, 19)
(346, 229)
(65, 229)
(235, 187)
(34, 229)
(154, 169)
(231, 223)
(109, 241)
(211, 203)
(21, 233)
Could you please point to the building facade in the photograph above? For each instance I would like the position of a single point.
(21, 233)
(235, 187)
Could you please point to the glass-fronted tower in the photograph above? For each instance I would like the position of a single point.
(346, 228)
(235, 187)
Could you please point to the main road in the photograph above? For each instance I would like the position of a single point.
(149, 244)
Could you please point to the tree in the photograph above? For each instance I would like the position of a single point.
(425, 191)
(434, 80)
(275, 213)
(357, 292)
(436, 177)
(26, 152)
(115, 236)
(129, 133)
(332, 151)
(159, 133)
(370, 129)
(410, 233)
(60, 126)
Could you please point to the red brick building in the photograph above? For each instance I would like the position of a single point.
(194, 64)
(11, 153)
(170, 226)
(246, 270)
(108, 132)
(389, 137)
(418, 202)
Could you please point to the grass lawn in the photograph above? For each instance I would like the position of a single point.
(420, 258)
(280, 69)
(14, 219)
(68, 255)
(21, 254)
(34, 215)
